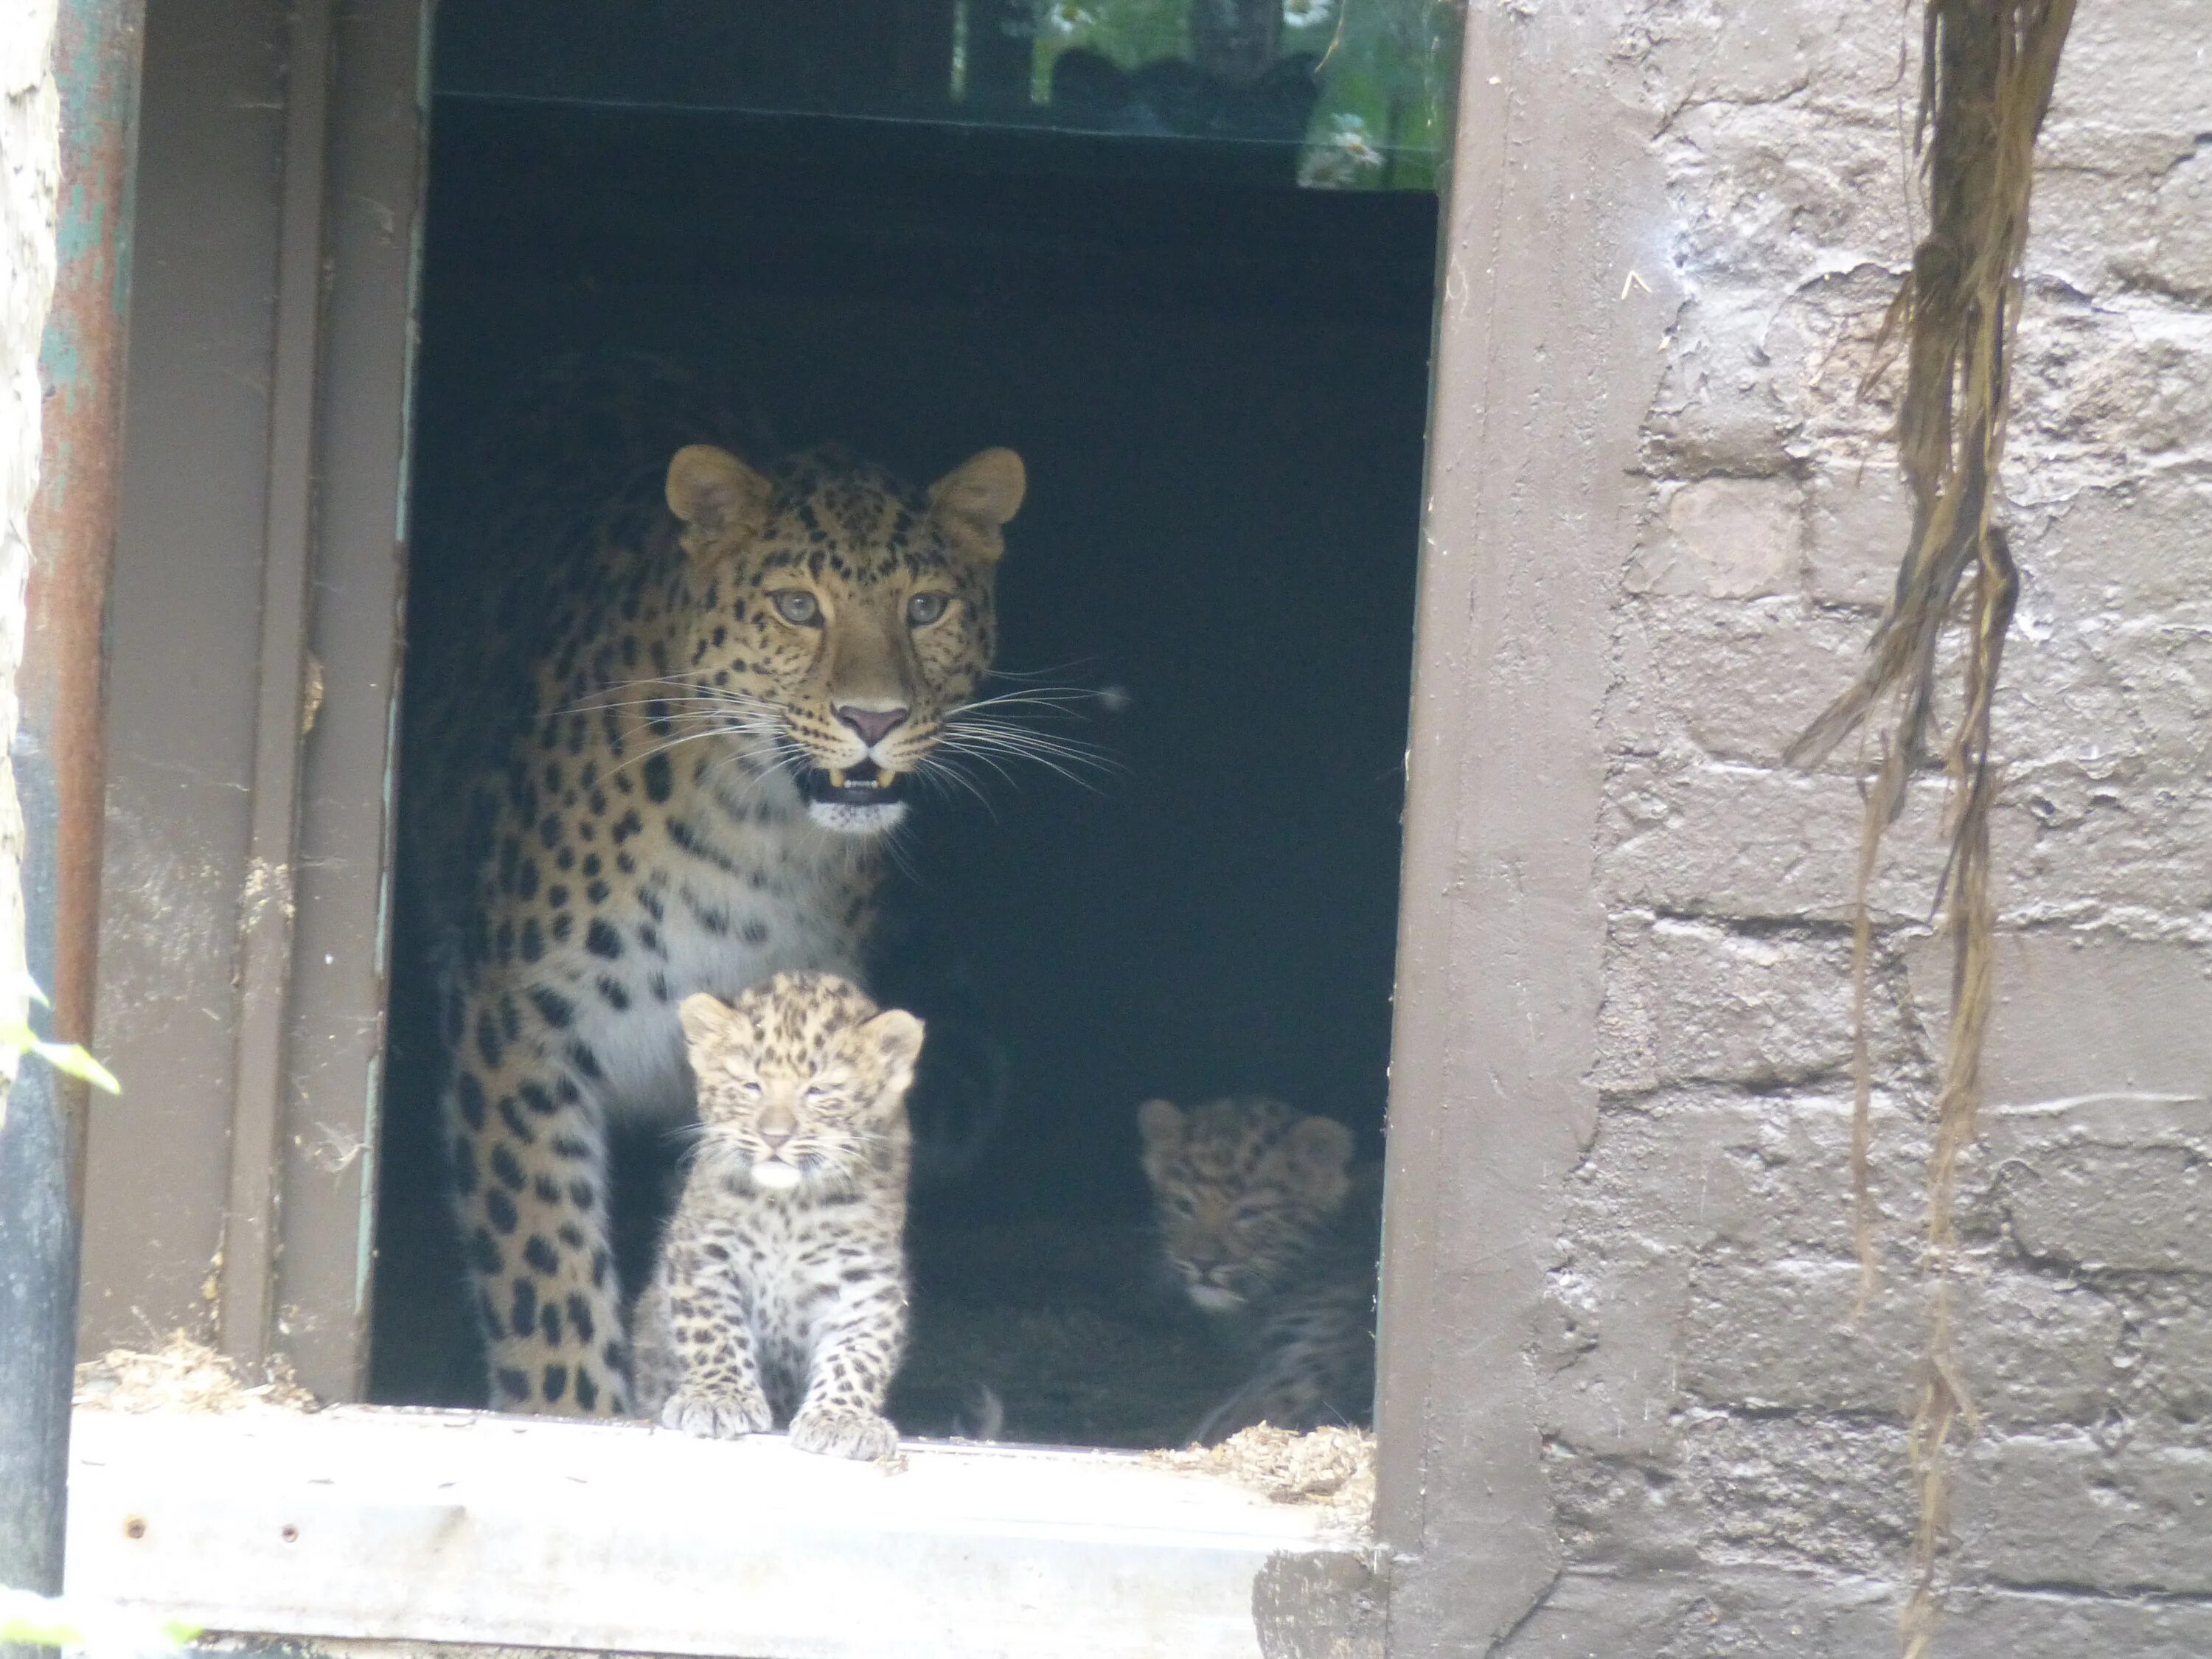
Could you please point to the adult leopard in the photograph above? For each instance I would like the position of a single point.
(699, 706)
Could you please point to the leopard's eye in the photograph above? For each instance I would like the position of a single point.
(797, 607)
(924, 609)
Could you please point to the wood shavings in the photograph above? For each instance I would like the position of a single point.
(181, 1375)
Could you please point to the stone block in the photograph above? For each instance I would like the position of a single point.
(1725, 539)
(2109, 1184)
(1727, 841)
(1764, 1613)
(2172, 1326)
(1735, 681)
(1727, 1489)
(2143, 548)
(1740, 1613)
(1758, 201)
(2102, 843)
(1786, 1334)
(1857, 523)
(1716, 411)
(1696, 1002)
(2130, 68)
(1695, 1178)
(2028, 1624)
(2081, 375)
(2177, 257)
(2064, 1510)
(2080, 1016)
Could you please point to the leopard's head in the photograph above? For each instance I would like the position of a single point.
(802, 1079)
(1243, 1190)
(838, 618)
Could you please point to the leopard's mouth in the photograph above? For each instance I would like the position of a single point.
(864, 785)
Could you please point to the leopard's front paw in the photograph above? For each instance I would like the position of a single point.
(843, 1432)
(716, 1415)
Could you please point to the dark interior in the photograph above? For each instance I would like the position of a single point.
(1219, 382)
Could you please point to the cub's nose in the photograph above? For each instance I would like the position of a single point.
(873, 724)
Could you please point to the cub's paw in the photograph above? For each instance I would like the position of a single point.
(843, 1432)
(714, 1415)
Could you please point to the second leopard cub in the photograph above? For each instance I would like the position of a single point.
(1270, 1229)
(781, 1290)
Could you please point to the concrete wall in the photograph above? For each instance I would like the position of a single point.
(1722, 1447)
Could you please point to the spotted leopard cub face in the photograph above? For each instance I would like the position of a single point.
(781, 1290)
(1246, 1190)
(838, 618)
(1274, 1233)
(802, 1083)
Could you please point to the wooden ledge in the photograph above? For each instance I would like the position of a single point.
(362, 1523)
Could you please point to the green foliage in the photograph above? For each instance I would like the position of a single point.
(18, 1038)
(1383, 116)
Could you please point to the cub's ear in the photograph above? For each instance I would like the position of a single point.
(1319, 1152)
(895, 1036)
(705, 1018)
(970, 502)
(720, 501)
(1160, 1124)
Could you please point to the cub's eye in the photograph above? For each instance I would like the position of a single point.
(924, 609)
(797, 607)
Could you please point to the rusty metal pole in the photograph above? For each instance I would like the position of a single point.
(59, 765)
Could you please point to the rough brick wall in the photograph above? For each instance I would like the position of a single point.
(1725, 1446)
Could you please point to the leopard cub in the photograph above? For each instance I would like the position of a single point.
(781, 1289)
(1270, 1229)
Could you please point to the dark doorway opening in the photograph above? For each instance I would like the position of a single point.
(1218, 382)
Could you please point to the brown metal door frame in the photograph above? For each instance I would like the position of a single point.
(254, 643)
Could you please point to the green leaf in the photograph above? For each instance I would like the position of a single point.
(69, 1057)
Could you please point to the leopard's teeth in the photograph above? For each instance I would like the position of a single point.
(836, 777)
(885, 780)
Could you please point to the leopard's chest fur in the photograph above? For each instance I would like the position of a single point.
(778, 1264)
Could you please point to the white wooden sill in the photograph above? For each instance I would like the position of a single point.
(367, 1524)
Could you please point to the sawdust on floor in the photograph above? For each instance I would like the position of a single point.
(183, 1375)
(1333, 1467)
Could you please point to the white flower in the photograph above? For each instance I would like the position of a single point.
(1065, 17)
(1351, 142)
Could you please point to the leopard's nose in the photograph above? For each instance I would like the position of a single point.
(873, 725)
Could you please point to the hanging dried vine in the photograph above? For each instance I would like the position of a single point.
(1987, 69)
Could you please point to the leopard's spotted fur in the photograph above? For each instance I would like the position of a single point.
(640, 735)
(781, 1290)
(1269, 1227)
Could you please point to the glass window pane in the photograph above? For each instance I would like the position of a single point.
(1325, 93)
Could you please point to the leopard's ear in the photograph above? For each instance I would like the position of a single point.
(1319, 1154)
(972, 501)
(721, 502)
(895, 1036)
(705, 1018)
(1160, 1124)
